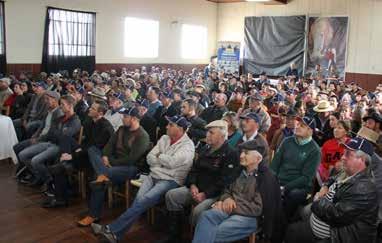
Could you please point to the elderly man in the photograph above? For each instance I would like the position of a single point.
(216, 111)
(119, 161)
(295, 164)
(170, 160)
(212, 171)
(256, 106)
(234, 215)
(345, 209)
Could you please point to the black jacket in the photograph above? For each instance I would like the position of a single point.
(81, 109)
(197, 131)
(213, 113)
(96, 133)
(41, 109)
(150, 125)
(352, 215)
(19, 106)
(212, 172)
(273, 220)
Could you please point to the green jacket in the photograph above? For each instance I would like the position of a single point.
(126, 147)
(295, 165)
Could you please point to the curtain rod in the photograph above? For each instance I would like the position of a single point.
(72, 10)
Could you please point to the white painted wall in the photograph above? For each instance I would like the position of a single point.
(365, 33)
(25, 26)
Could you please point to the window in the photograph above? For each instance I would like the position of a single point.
(2, 32)
(141, 38)
(71, 33)
(194, 41)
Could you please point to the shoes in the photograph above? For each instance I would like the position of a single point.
(54, 203)
(106, 235)
(87, 221)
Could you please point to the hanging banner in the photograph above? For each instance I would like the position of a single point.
(228, 56)
(327, 43)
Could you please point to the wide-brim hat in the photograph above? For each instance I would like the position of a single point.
(99, 93)
(368, 134)
(375, 116)
(323, 106)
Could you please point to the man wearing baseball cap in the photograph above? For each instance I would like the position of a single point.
(295, 164)
(118, 161)
(212, 171)
(115, 105)
(345, 210)
(256, 106)
(250, 127)
(169, 161)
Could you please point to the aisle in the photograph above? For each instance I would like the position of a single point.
(23, 220)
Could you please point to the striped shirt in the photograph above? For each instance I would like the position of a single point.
(320, 228)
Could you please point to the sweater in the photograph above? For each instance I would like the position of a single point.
(295, 165)
(126, 147)
(171, 161)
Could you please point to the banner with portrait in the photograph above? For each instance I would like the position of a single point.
(327, 43)
(228, 58)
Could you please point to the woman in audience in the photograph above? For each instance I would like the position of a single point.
(332, 151)
(234, 133)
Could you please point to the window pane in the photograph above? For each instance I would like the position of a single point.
(71, 33)
(141, 38)
(194, 41)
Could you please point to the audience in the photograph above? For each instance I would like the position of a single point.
(305, 121)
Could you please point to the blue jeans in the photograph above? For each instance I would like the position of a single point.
(216, 226)
(36, 156)
(117, 175)
(149, 194)
(95, 158)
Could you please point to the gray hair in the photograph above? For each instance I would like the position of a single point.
(363, 155)
(223, 131)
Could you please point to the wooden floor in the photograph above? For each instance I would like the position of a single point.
(23, 220)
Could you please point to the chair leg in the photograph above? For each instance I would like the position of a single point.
(110, 196)
(252, 238)
(152, 214)
(83, 184)
(127, 193)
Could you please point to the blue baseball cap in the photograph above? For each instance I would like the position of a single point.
(359, 143)
(251, 115)
(120, 96)
(130, 112)
(179, 121)
(40, 84)
(308, 121)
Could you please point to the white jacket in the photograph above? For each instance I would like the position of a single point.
(174, 161)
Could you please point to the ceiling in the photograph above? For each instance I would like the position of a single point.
(236, 1)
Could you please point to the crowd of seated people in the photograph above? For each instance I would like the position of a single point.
(296, 160)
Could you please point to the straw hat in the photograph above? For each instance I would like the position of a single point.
(323, 106)
(368, 134)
